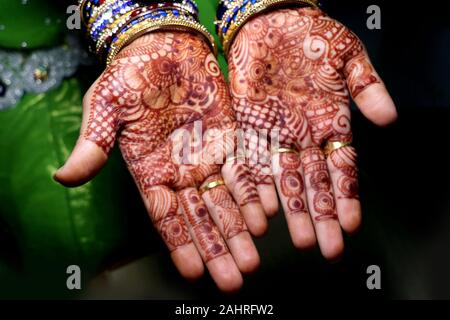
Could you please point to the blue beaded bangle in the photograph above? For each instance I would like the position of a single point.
(107, 18)
(110, 22)
(154, 15)
(234, 14)
(87, 8)
(158, 14)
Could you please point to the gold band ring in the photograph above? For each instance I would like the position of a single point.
(332, 146)
(211, 185)
(284, 150)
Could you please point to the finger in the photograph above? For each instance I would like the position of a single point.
(268, 195)
(166, 214)
(321, 203)
(288, 177)
(344, 177)
(97, 136)
(239, 181)
(209, 242)
(225, 213)
(259, 158)
(368, 91)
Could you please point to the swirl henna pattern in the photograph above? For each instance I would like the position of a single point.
(157, 89)
(291, 72)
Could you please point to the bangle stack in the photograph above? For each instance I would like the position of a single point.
(233, 14)
(112, 24)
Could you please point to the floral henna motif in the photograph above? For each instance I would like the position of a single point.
(289, 72)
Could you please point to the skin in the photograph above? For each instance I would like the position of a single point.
(153, 95)
(292, 71)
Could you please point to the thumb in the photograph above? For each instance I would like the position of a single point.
(97, 136)
(368, 90)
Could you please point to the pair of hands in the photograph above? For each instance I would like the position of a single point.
(166, 102)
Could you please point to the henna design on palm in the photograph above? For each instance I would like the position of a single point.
(161, 84)
(292, 71)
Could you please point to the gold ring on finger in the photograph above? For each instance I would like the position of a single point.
(211, 185)
(332, 146)
(283, 150)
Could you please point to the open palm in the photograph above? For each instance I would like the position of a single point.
(291, 72)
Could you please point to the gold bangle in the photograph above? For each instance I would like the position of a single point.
(81, 5)
(256, 8)
(211, 185)
(170, 23)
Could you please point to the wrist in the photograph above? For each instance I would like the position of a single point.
(181, 36)
(115, 24)
(232, 15)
